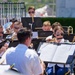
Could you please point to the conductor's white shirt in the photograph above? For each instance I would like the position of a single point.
(26, 60)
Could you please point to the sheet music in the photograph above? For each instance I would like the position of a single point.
(35, 35)
(62, 53)
(56, 53)
(72, 50)
(47, 51)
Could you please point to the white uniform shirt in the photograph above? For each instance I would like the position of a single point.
(26, 60)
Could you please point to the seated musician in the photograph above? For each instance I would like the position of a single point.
(53, 26)
(16, 28)
(32, 12)
(8, 27)
(58, 38)
(46, 26)
(1, 34)
(5, 46)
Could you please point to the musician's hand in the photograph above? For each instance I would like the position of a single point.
(31, 45)
(42, 66)
(4, 48)
(52, 40)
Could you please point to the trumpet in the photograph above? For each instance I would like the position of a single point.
(52, 40)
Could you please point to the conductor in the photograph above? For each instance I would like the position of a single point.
(26, 60)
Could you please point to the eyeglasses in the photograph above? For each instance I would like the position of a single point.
(60, 34)
(31, 12)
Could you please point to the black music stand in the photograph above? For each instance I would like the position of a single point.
(53, 52)
(69, 37)
(36, 42)
(65, 28)
(13, 43)
(5, 35)
(27, 22)
(2, 43)
(44, 34)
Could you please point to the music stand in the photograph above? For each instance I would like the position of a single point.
(5, 35)
(13, 43)
(44, 34)
(36, 42)
(2, 43)
(27, 22)
(69, 37)
(57, 53)
(65, 29)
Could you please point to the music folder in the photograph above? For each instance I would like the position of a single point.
(56, 53)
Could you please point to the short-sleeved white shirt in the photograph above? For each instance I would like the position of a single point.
(25, 60)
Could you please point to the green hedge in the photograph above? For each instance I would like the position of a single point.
(63, 21)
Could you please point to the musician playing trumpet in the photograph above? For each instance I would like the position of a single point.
(49, 38)
(58, 38)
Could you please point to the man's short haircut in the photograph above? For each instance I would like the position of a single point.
(23, 34)
(31, 7)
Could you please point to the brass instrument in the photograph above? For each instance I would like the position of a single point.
(70, 30)
(14, 37)
(32, 18)
(67, 73)
(38, 28)
(52, 40)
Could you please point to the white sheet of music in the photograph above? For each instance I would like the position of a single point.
(57, 53)
(62, 53)
(72, 50)
(35, 34)
(47, 51)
